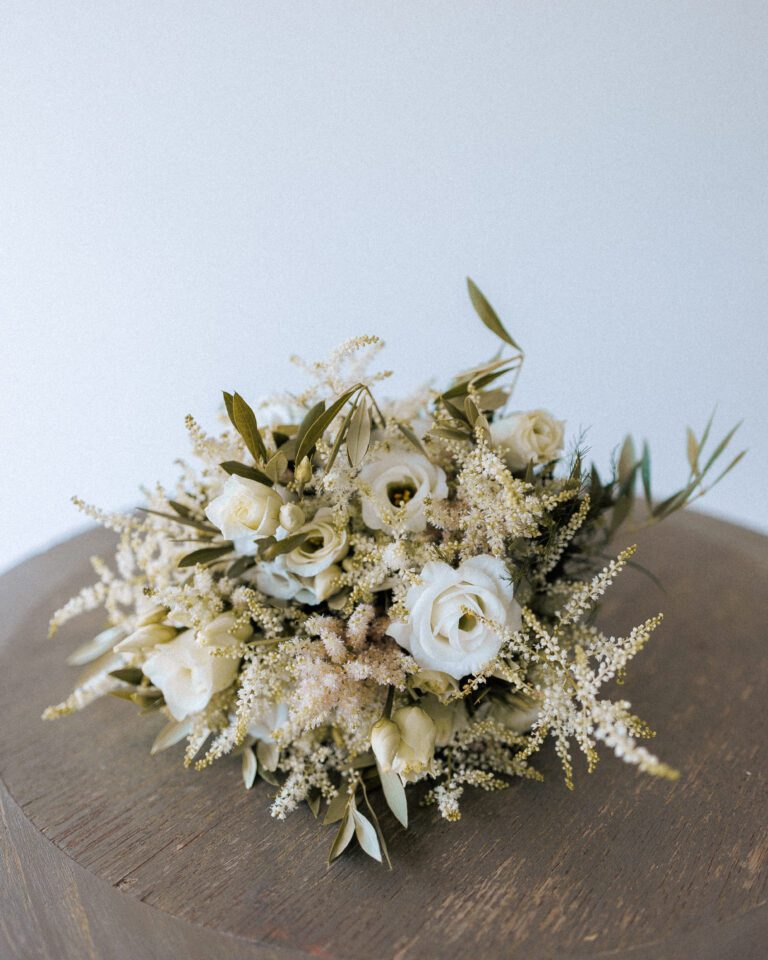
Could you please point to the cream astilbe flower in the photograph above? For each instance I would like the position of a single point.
(448, 614)
(396, 483)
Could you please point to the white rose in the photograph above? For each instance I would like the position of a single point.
(406, 743)
(444, 630)
(187, 672)
(325, 544)
(399, 481)
(245, 511)
(524, 437)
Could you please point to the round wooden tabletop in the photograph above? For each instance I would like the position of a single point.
(111, 853)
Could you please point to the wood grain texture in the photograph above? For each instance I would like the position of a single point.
(96, 832)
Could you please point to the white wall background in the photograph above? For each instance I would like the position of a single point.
(190, 191)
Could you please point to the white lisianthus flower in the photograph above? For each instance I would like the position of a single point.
(245, 511)
(325, 544)
(274, 580)
(187, 672)
(267, 716)
(444, 629)
(399, 481)
(534, 436)
(406, 743)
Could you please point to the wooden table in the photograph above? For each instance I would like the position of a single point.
(111, 853)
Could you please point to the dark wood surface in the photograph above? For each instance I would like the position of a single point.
(96, 833)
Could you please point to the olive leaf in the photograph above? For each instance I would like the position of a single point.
(366, 835)
(394, 794)
(279, 547)
(359, 433)
(345, 834)
(170, 734)
(317, 427)
(206, 555)
(184, 521)
(100, 644)
(337, 806)
(244, 421)
(249, 767)
(233, 467)
(411, 437)
(488, 315)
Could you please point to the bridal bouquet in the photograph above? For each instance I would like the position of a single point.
(351, 593)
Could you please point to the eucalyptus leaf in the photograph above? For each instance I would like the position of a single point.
(488, 315)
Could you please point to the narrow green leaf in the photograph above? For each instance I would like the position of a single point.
(337, 806)
(366, 835)
(206, 555)
(411, 437)
(285, 545)
(248, 428)
(626, 460)
(721, 447)
(339, 439)
(359, 433)
(171, 733)
(309, 418)
(645, 473)
(238, 568)
(250, 767)
(127, 675)
(692, 450)
(229, 403)
(730, 467)
(488, 315)
(243, 470)
(317, 428)
(394, 794)
(448, 433)
(346, 831)
(99, 645)
(184, 521)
